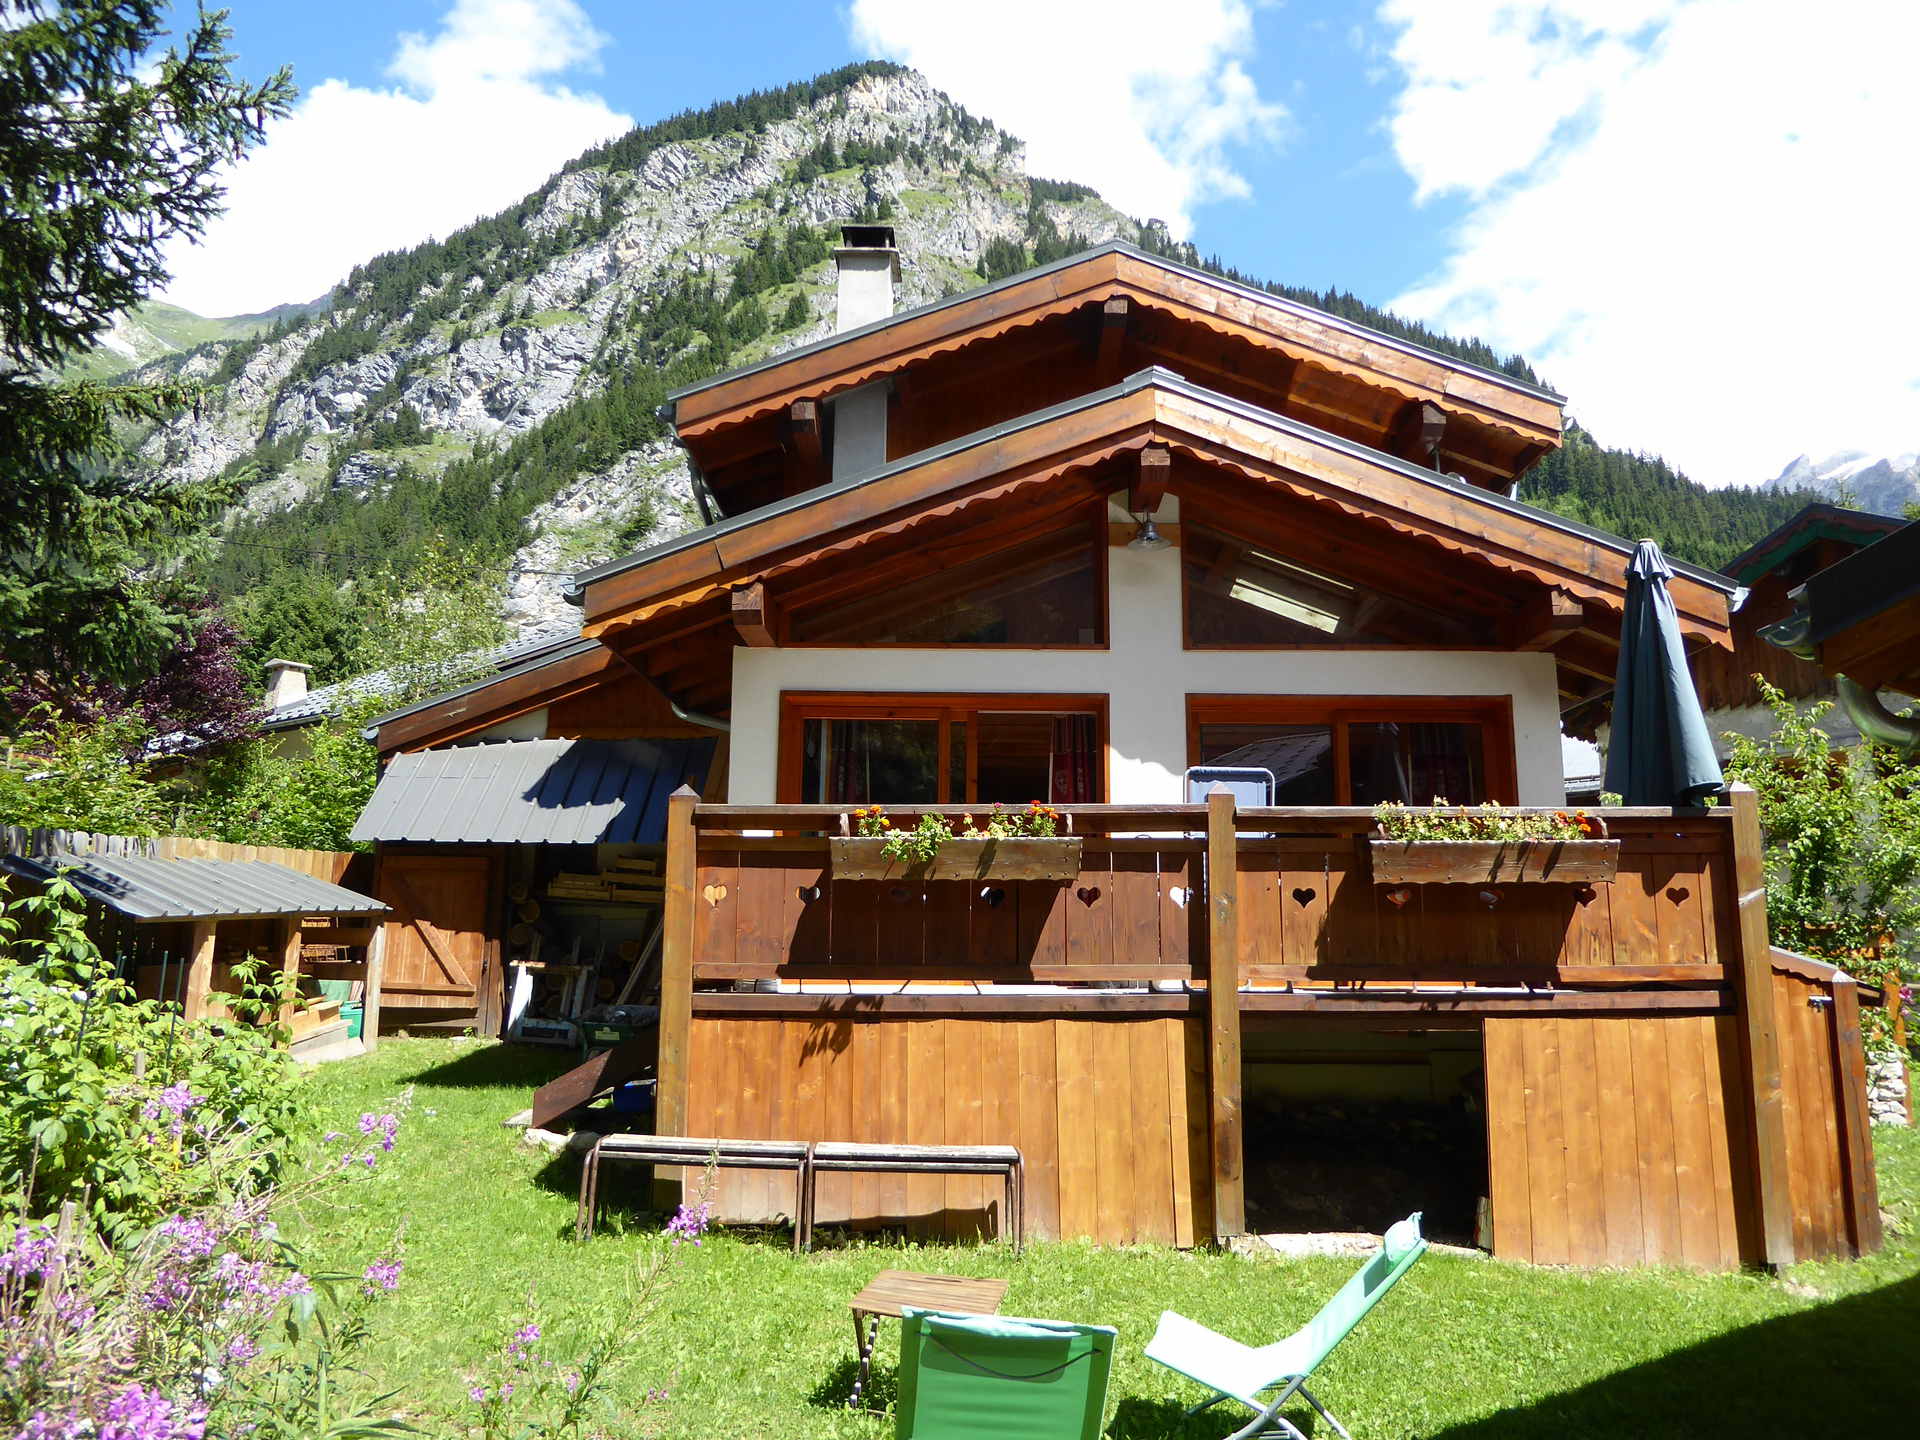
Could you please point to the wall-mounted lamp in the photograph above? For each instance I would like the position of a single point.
(1148, 536)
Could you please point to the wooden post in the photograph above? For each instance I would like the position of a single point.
(1223, 1015)
(1897, 1008)
(200, 968)
(1759, 1032)
(370, 990)
(676, 971)
(1858, 1181)
(289, 965)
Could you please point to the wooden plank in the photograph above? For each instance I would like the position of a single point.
(1546, 1142)
(678, 922)
(1759, 1034)
(200, 968)
(1114, 1124)
(1078, 1119)
(370, 992)
(1692, 1144)
(1860, 1184)
(1039, 1125)
(1180, 1127)
(289, 967)
(864, 1087)
(1619, 1141)
(1153, 1132)
(1223, 1010)
(999, 1108)
(1510, 1187)
(893, 1089)
(926, 1121)
(1653, 1118)
(1727, 1197)
(1580, 1116)
(966, 1195)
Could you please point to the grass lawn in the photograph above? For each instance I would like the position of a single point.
(747, 1340)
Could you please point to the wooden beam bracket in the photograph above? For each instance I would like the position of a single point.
(1148, 487)
(753, 616)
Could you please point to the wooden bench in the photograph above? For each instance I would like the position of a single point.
(1001, 1160)
(695, 1151)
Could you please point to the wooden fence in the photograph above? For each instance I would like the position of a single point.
(1658, 1087)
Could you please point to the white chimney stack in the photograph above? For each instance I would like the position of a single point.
(286, 682)
(869, 265)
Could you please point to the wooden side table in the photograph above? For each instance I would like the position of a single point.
(888, 1291)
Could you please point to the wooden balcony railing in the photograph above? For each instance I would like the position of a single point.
(767, 905)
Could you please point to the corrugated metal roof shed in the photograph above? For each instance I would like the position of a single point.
(532, 792)
(149, 888)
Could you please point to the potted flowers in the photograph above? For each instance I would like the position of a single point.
(1017, 845)
(1489, 845)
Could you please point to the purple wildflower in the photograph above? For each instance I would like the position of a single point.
(31, 1253)
(477, 1394)
(690, 1222)
(571, 1380)
(382, 1275)
(506, 1390)
(137, 1413)
(173, 1105)
(242, 1349)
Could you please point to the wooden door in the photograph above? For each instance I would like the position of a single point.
(441, 951)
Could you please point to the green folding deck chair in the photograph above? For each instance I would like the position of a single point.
(1242, 1372)
(972, 1375)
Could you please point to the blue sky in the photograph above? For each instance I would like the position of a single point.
(1634, 193)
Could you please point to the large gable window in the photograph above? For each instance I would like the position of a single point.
(1239, 595)
(1044, 591)
(942, 749)
(1360, 750)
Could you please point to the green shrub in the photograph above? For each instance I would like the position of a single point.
(114, 1102)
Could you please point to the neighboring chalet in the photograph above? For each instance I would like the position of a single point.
(1772, 569)
(1062, 538)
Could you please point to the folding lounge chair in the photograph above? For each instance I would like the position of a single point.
(1242, 1372)
(964, 1376)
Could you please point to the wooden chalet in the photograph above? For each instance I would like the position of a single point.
(1772, 569)
(1062, 538)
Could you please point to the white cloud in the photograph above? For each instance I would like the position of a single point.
(1140, 102)
(1690, 214)
(476, 119)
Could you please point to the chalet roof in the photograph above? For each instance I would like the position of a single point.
(1144, 380)
(554, 648)
(1277, 303)
(152, 888)
(1814, 523)
(554, 792)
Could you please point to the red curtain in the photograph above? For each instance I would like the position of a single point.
(1073, 760)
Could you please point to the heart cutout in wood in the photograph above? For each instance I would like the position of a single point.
(992, 896)
(808, 893)
(1087, 894)
(1678, 894)
(1303, 895)
(1586, 895)
(715, 894)
(1399, 896)
(1178, 895)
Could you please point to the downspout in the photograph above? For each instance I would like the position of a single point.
(1863, 706)
(694, 717)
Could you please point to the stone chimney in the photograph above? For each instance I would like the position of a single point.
(869, 265)
(286, 682)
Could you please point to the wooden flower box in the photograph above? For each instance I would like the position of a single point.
(1494, 862)
(1043, 857)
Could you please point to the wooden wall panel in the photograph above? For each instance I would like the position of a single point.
(1110, 1116)
(1815, 1165)
(1609, 1143)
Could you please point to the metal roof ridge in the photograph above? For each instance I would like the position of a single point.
(1152, 376)
(1122, 247)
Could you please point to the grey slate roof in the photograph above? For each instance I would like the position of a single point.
(150, 888)
(1153, 377)
(317, 705)
(1121, 247)
(556, 792)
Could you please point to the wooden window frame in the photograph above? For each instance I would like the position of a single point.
(799, 706)
(1493, 713)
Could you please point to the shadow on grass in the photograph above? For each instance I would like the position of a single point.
(1841, 1368)
(495, 1067)
(876, 1398)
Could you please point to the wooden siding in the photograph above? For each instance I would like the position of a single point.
(1110, 1116)
(1619, 1142)
(1816, 1165)
(441, 941)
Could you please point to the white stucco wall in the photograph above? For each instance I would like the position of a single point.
(1147, 677)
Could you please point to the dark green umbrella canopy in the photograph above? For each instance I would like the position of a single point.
(1659, 752)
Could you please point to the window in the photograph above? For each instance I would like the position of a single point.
(942, 749)
(1360, 750)
(1240, 595)
(1046, 591)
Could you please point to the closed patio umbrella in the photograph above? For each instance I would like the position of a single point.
(1659, 752)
